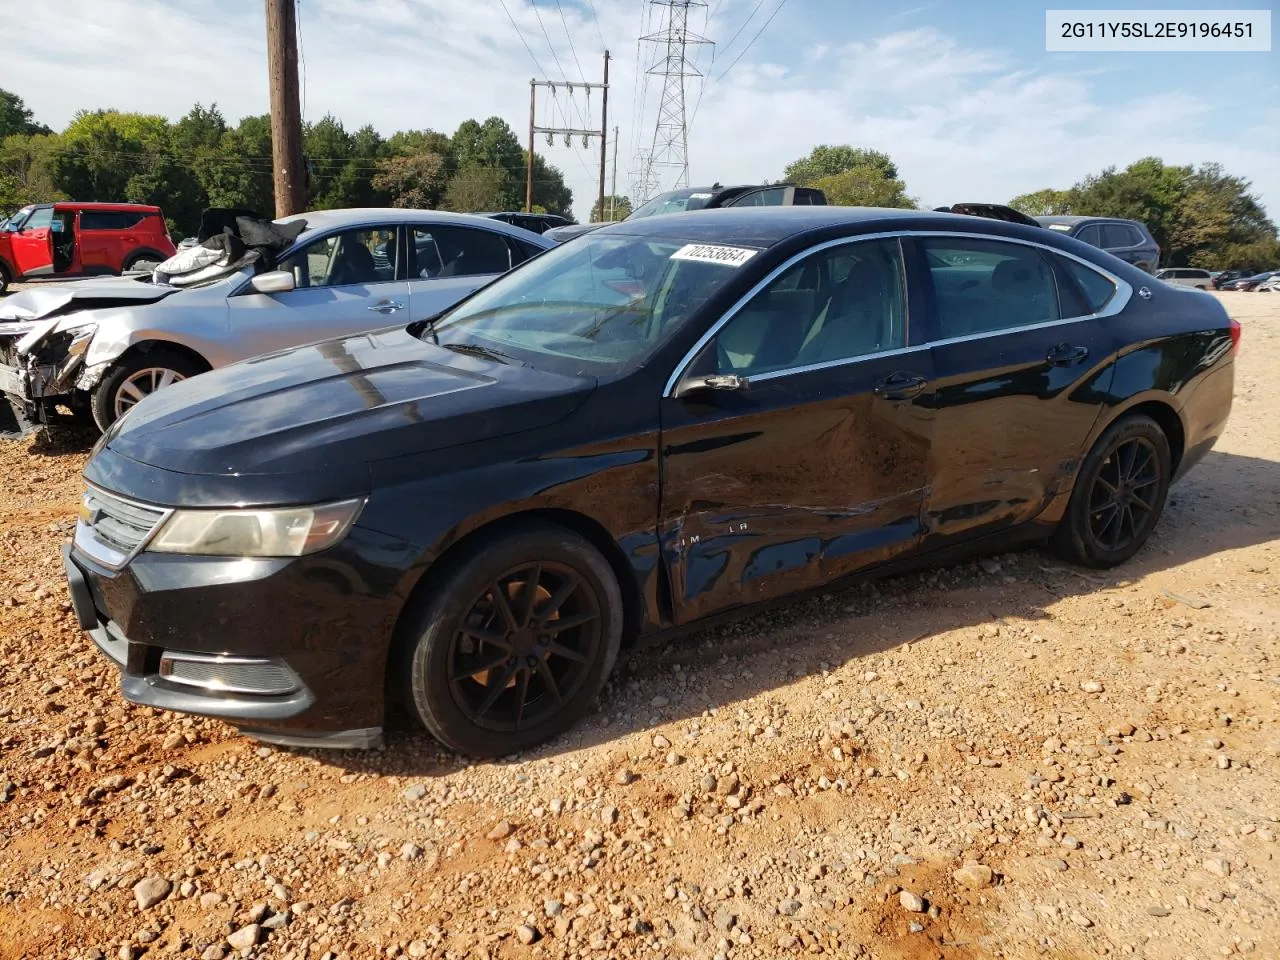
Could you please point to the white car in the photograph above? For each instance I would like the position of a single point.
(1186, 277)
(97, 347)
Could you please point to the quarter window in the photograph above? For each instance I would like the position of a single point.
(839, 304)
(366, 255)
(1116, 235)
(1091, 235)
(775, 197)
(982, 286)
(458, 252)
(1093, 289)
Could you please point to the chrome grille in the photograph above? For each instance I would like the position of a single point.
(111, 529)
(255, 675)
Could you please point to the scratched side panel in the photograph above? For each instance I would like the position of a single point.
(799, 480)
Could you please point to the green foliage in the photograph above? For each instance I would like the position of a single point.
(827, 161)
(201, 161)
(615, 208)
(864, 187)
(1200, 216)
(1044, 203)
(16, 118)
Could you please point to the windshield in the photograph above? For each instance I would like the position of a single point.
(676, 201)
(593, 306)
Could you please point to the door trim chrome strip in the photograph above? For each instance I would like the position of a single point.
(1117, 303)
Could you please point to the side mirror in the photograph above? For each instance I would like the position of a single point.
(273, 281)
(693, 384)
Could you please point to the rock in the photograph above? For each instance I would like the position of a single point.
(789, 908)
(626, 777)
(209, 901)
(1158, 911)
(150, 891)
(661, 743)
(417, 948)
(709, 783)
(1080, 920)
(1054, 865)
(1092, 686)
(1224, 762)
(276, 921)
(1121, 730)
(609, 815)
(245, 937)
(1213, 743)
(1070, 842)
(552, 908)
(215, 951)
(501, 831)
(659, 701)
(974, 876)
(914, 927)
(1218, 867)
(415, 792)
(527, 934)
(911, 902)
(173, 741)
(724, 919)
(410, 851)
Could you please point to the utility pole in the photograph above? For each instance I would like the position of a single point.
(567, 132)
(670, 146)
(613, 187)
(287, 171)
(604, 120)
(528, 174)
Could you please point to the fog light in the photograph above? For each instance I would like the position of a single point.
(226, 674)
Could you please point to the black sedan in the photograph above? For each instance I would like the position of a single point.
(1249, 283)
(664, 421)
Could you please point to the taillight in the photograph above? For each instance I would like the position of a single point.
(1233, 328)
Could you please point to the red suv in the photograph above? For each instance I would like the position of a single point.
(71, 239)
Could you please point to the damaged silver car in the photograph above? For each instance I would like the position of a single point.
(90, 350)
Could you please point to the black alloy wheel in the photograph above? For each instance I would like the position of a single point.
(525, 647)
(511, 645)
(1119, 494)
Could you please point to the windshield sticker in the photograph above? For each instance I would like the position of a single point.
(1064, 227)
(714, 253)
(699, 196)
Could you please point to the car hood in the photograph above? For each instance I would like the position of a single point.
(31, 315)
(337, 404)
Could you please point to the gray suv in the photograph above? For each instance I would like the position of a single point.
(1127, 239)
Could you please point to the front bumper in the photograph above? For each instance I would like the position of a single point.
(290, 651)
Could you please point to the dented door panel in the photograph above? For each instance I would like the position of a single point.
(798, 480)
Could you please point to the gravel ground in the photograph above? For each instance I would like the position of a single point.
(1007, 758)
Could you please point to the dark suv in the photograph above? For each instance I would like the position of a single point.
(537, 222)
(1127, 239)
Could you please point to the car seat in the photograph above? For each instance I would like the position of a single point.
(859, 318)
(354, 264)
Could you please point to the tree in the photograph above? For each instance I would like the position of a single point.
(1147, 191)
(416, 181)
(26, 170)
(549, 189)
(827, 161)
(238, 172)
(474, 189)
(864, 186)
(615, 208)
(16, 118)
(492, 145)
(1044, 203)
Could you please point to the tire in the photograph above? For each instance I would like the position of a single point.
(480, 687)
(111, 397)
(144, 261)
(1132, 457)
(5, 279)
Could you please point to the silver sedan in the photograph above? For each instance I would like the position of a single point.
(97, 347)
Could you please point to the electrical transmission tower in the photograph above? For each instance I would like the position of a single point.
(670, 148)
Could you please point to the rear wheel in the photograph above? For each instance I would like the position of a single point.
(1119, 494)
(135, 377)
(515, 643)
(144, 261)
(5, 279)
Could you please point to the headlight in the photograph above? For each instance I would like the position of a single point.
(283, 532)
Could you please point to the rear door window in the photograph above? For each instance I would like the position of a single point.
(458, 252)
(983, 286)
(1092, 235)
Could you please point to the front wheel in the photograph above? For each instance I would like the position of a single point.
(143, 261)
(5, 279)
(1119, 494)
(136, 376)
(514, 643)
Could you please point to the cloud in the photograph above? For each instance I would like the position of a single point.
(962, 122)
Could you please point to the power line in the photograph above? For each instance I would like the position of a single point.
(776, 11)
(550, 46)
(599, 32)
(569, 34)
(520, 34)
(742, 26)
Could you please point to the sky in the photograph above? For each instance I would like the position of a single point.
(960, 93)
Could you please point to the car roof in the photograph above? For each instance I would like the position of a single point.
(370, 216)
(95, 205)
(766, 226)
(1073, 220)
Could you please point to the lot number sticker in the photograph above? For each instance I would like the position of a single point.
(714, 253)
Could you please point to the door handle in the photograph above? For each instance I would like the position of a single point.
(386, 306)
(1066, 354)
(900, 386)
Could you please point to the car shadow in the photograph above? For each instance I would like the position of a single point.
(1227, 502)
